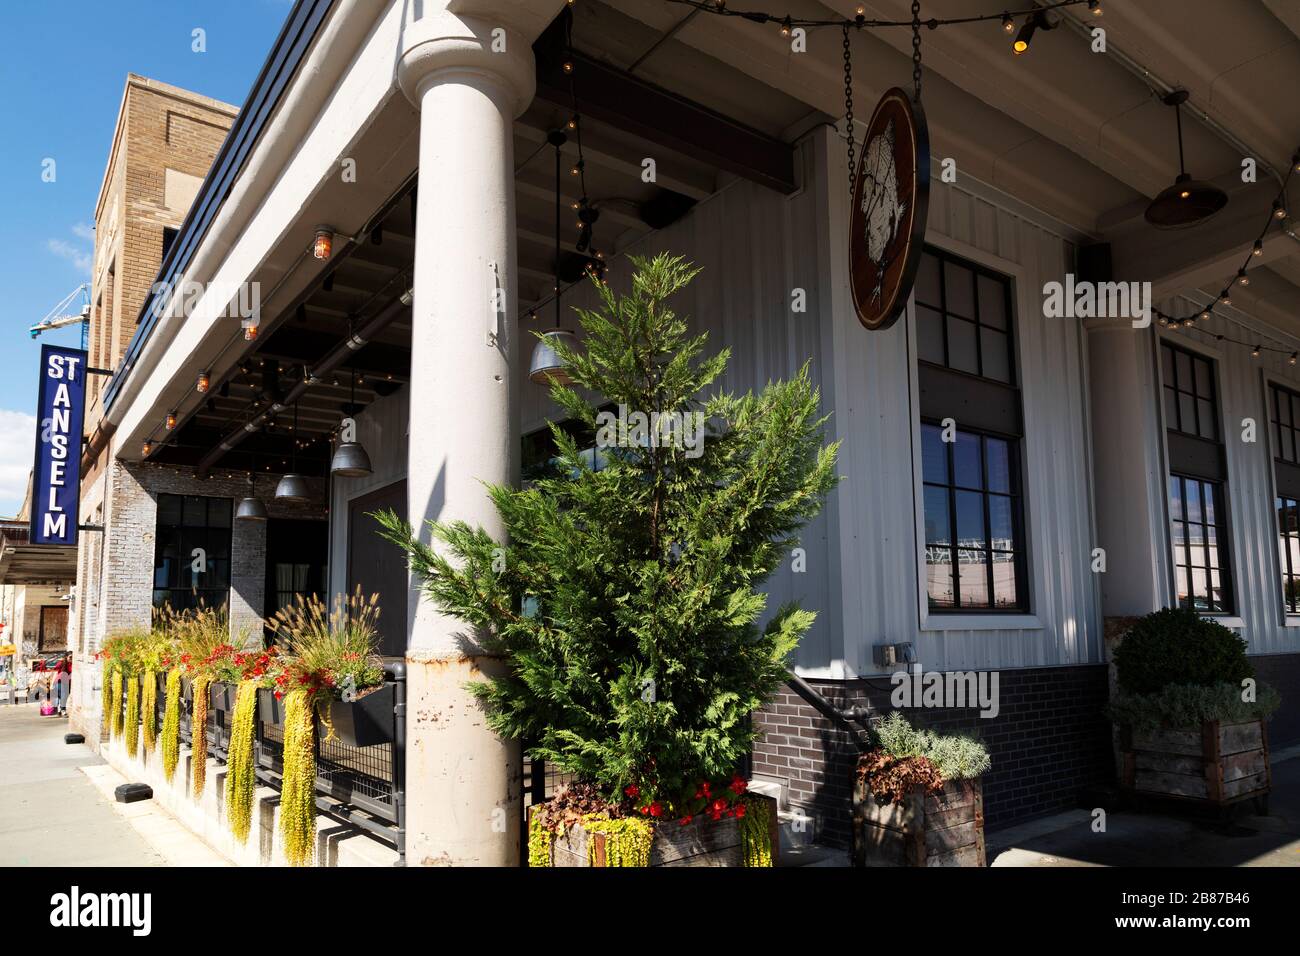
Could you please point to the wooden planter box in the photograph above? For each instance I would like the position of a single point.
(269, 709)
(702, 842)
(221, 696)
(1216, 765)
(925, 829)
(366, 721)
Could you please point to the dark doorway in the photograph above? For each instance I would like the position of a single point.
(296, 561)
(378, 566)
(54, 629)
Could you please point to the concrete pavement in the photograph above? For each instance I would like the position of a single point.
(57, 809)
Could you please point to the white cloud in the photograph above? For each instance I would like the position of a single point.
(18, 439)
(84, 230)
(66, 250)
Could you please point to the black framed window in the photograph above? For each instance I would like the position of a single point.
(973, 509)
(1284, 405)
(974, 554)
(1198, 519)
(963, 317)
(187, 522)
(1191, 406)
(1288, 533)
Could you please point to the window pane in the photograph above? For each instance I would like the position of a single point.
(1283, 406)
(1167, 365)
(1186, 413)
(1178, 532)
(196, 512)
(970, 520)
(968, 471)
(959, 289)
(1184, 371)
(1192, 500)
(934, 455)
(1171, 409)
(998, 455)
(1206, 413)
(1000, 524)
(169, 510)
(1209, 492)
(973, 578)
(995, 351)
(939, 578)
(961, 346)
(1287, 451)
(1180, 587)
(1203, 387)
(219, 512)
(1004, 579)
(927, 282)
(929, 335)
(1175, 497)
(993, 303)
(937, 529)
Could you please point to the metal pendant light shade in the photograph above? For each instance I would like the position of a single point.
(1188, 202)
(292, 487)
(546, 365)
(250, 509)
(350, 461)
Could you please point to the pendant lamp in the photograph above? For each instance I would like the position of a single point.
(250, 506)
(350, 459)
(546, 366)
(1188, 202)
(293, 486)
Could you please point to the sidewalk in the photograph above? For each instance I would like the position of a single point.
(57, 808)
(1156, 839)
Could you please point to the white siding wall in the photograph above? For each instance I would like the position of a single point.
(1242, 382)
(875, 375)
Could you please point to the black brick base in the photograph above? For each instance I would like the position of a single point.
(1282, 671)
(1048, 742)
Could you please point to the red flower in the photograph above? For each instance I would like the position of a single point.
(686, 819)
(632, 790)
(719, 805)
(738, 810)
(738, 785)
(279, 695)
(656, 809)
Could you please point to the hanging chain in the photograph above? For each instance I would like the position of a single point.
(916, 47)
(848, 107)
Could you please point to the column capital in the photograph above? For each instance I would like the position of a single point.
(442, 44)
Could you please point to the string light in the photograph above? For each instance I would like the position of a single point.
(1291, 360)
(1255, 351)
(1008, 25)
(1279, 211)
(1242, 278)
(785, 27)
(1258, 248)
(1094, 7)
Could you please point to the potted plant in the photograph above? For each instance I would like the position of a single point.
(917, 799)
(333, 653)
(624, 602)
(1190, 714)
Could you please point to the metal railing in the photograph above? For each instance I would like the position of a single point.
(364, 786)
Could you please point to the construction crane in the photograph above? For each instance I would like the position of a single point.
(58, 318)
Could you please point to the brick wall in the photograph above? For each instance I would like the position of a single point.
(1048, 742)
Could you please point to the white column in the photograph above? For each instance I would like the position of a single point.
(469, 78)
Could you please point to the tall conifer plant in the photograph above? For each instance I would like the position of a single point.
(625, 600)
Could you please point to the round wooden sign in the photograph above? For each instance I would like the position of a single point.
(891, 194)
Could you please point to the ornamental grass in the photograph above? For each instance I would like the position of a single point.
(149, 711)
(132, 716)
(199, 733)
(115, 701)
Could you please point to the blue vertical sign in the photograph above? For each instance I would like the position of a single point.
(56, 475)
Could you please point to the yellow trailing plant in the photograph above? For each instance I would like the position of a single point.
(241, 777)
(756, 832)
(627, 840)
(199, 733)
(171, 727)
(149, 710)
(106, 701)
(298, 786)
(132, 715)
(115, 701)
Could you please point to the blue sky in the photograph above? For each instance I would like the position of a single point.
(63, 64)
